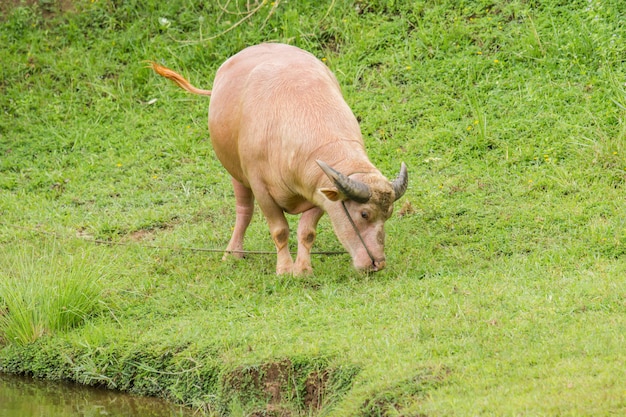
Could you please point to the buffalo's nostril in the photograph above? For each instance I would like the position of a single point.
(379, 264)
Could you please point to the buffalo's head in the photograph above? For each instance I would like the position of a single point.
(358, 206)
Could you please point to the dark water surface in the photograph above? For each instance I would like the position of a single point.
(27, 397)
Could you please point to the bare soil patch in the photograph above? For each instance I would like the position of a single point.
(49, 8)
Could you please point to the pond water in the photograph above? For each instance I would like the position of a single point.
(27, 397)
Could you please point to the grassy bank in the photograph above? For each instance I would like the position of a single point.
(505, 291)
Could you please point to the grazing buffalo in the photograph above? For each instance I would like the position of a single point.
(282, 129)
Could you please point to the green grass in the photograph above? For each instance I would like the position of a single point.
(48, 291)
(505, 289)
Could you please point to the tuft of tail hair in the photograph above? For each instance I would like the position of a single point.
(178, 79)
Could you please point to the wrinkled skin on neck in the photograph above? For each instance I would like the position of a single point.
(368, 219)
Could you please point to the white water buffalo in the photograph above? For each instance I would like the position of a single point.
(280, 126)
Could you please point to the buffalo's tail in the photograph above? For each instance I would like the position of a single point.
(178, 79)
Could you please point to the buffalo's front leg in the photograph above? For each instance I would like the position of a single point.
(244, 209)
(306, 237)
(279, 229)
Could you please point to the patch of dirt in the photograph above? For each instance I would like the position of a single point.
(275, 385)
(406, 209)
(148, 233)
(275, 376)
(141, 234)
(49, 8)
(315, 389)
(265, 381)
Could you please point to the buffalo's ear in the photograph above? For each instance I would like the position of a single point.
(332, 194)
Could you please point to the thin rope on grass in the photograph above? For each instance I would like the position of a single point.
(161, 247)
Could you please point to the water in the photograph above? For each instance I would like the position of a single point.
(27, 397)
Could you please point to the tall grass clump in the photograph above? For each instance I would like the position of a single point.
(46, 291)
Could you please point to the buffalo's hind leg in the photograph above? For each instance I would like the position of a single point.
(244, 208)
(306, 236)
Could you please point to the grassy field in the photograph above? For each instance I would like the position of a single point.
(505, 292)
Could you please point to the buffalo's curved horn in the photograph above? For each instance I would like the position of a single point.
(354, 190)
(401, 182)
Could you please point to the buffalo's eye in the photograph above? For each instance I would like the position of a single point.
(365, 215)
